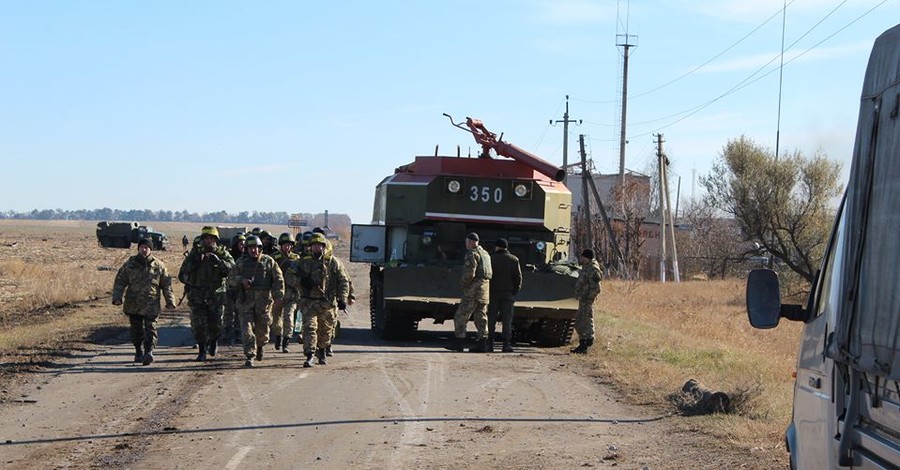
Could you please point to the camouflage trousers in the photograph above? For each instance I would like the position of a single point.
(207, 308)
(283, 317)
(318, 324)
(584, 319)
(255, 310)
(474, 309)
(143, 331)
(230, 320)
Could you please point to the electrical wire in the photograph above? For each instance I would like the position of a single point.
(750, 80)
(695, 69)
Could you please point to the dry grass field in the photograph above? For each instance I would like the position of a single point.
(55, 285)
(654, 337)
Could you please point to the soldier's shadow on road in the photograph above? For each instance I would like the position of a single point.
(422, 341)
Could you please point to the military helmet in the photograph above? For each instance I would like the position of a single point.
(255, 230)
(285, 238)
(304, 239)
(319, 230)
(264, 234)
(209, 230)
(252, 240)
(238, 238)
(317, 237)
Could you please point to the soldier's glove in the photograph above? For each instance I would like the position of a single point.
(213, 258)
(342, 305)
(306, 282)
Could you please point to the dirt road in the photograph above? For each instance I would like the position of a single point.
(375, 405)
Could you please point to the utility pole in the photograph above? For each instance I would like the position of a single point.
(565, 120)
(585, 199)
(661, 164)
(623, 41)
(675, 274)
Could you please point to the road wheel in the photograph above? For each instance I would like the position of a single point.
(553, 333)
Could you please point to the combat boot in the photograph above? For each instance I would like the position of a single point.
(507, 346)
(308, 362)
(456, 344)
(148, 356)
(249, 362)
(320, 354)
(328, 351)
(581, 348)
(489, 344)
(259, 352)
(480, 346)
(587, 344)
(284, 344)
(278, 343)
(212, 347)
(138, 353)
(201, 357)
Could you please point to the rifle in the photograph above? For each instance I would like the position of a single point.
(187, 287)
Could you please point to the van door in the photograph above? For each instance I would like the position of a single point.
(811, 436)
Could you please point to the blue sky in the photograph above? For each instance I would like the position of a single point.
(306, 106)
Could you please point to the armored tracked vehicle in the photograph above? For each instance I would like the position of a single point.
(422, 214)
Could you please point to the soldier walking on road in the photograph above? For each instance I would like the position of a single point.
(141, 281)
(205, 269)
(324, 285)
(260, 282)
(283, 312)
(184, 243)
(231, 322)
(505, 284)
(587, 288)
(475, 285)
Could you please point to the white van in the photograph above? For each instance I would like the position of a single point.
(847, 393)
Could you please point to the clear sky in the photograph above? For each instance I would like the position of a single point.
(305, 106)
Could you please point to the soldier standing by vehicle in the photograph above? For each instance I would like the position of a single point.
(184, 243)
(140, 281)
(232, 327)
(324, 285)
(475, 285)
(505, 284)
(587, 288)
(205, 269)
(283, 312)
(260, 282)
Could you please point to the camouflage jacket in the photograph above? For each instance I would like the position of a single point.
(323, 278)
(288, 265)
(263, 272)
(476, 275)
(587, 287)
(198, 272)
(141, 281)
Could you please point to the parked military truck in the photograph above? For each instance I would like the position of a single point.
(226, 233)
(847, 382)
(416, 243)
(111, 234)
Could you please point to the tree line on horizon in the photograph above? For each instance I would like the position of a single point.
(147, 215)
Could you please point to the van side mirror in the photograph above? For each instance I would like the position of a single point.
(763, 298)
(764, 307)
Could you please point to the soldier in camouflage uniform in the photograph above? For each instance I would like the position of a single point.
(268, 243)
(204, 271)
(232, 327)
(475, 285)
(324, 285)
(260, 282)
(587, 288)
(283, 312)
(141, 281)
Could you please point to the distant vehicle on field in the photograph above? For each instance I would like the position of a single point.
(113, 234)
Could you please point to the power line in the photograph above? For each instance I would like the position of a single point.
(695, 69)
(750, 80)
